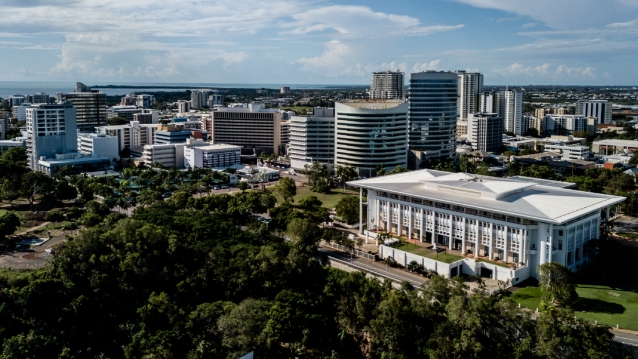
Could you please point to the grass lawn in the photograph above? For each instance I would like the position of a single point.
(2, 212)
(329, 200)
(595, 303)
(425, 252)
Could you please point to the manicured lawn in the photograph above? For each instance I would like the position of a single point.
(329, 200)
(528, 297)
(595, 303)
(425, 252)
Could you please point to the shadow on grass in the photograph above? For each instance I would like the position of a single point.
(524, 296)
(598, 306)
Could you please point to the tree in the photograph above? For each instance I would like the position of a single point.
(555, 281)
(9, 223)
(115, 121)
(310, 203)
(242, 329)
(318, 177)
(346, 173)
(148, 196)
(15, 155)
(243, 186)
(560, 336)
(286, 188)
(34, 184)
(348, 209)
(634, 158)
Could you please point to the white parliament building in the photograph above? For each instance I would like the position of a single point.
(525, 222)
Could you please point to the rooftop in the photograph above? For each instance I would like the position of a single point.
(614, 142)
(530, 199)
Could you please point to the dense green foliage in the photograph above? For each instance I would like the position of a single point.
(205, 280)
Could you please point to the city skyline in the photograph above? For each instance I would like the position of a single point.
(319, 42)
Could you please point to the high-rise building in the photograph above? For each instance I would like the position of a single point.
(147, 116)
(490, 102)
(254, 128)
(564, 124)
(370, 134)
(432, 116)
(312, 138)
(16, 100)
(183, 106)
(470, 86)
(90, 106)
(131, 135)
(387, 85)
(199, 99)
(38, 97)
(485, 131)
(51, 130)
(600, 109)
(285, 90)
(511, 109)
(215, 100)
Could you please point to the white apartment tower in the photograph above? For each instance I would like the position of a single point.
(387, 85)
(600, 109)
(52, 129)
(470, 86)
(511, 108)
(312, 138)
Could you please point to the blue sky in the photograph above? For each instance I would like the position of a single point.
(512, 42)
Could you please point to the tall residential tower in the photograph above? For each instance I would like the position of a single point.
(470, 86)
(387, 85)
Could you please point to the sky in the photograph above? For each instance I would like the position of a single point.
(512, 42)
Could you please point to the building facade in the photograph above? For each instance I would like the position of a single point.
(205, 155)
(125, 112)
(600, 109)
(569, 152)
(387, 85)
(312, 138)
(485, 131)
(90, 107)
(564, 124)
(370, 134)
(520, 222)
(512, 111)
(97, 144)
(51, 130)
(470, 86)
(252, 127)
(432, 116)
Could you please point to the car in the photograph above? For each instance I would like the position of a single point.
(255, 186)
(224, 186)
(166, 195)
(217, 187)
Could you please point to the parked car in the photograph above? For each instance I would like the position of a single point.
(166, 195)
(224, 186)
(217, 187)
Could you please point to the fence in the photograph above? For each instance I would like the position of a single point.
(355, 252)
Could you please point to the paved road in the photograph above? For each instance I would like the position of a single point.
(30, 259)
(625, 338)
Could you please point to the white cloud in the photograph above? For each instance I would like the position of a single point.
(564, 14)
(528, 25)
(426, 66)
(543, 72)
(332, 57)
(348, 20)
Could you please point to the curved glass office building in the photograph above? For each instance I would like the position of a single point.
(371, 133)
(432, 117)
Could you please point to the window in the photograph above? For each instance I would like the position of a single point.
(560, 232)
(560, 245)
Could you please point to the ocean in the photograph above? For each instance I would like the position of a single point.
(8, 88)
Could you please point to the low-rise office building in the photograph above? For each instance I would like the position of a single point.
(97, 144)
(200, 154)
(167, 155)
(514, 221)
(126, 112)
(610, 147)
(570, 152)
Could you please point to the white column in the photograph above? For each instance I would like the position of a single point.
(524, 247)
(505, 246)
(451, 238)
(463, 240)
(389, 219)
(491, 241)
(410, 222)
(361, 210)
(434, 228)
(421, 229)
(551, 241)
(399, 220)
